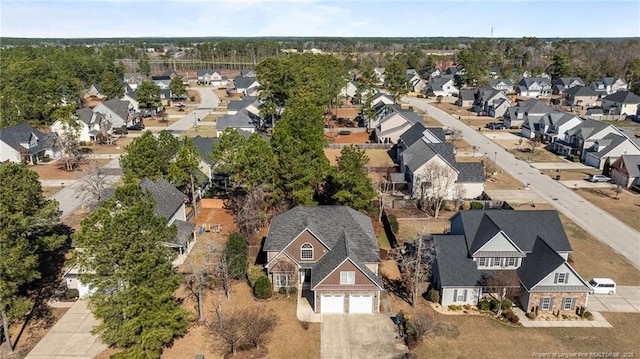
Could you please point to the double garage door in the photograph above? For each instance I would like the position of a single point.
(336, 303)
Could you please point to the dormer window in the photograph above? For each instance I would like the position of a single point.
(306, 251)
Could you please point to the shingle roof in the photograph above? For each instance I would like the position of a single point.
(246, 72)
(184, 231)
(414, 133)
(119, 107)
(330, 224)
(240, 104)
(538, 264)
(610, 141)
(454, 266)
(421, 152)
(579, 91)
(528, 81)
(205, 147)
(168, 198)
(84, 114)
(437, 132)
(242, 119)
(523, 227)
(587, 128)
(467, 95)
(632, 163)
(624, 97)
(496, 82)
(343, 250)
(15, 135)
(241, 82)
(203, 72)
(470, 172)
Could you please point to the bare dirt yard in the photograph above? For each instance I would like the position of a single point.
(24, 338)
(360, 137)
(56, 169)
(196, 96)
(626, 207)
(117, 147)
(377, 157)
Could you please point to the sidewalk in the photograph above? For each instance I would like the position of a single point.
(70, 337)
(598, 321)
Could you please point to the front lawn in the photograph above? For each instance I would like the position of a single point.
(626, 208)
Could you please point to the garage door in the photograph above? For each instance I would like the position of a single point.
(332, 304)
(360, 303)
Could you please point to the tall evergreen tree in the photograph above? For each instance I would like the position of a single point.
(111, 85)
(128, 268)
(177, 87)
(349, 184)
(396, 78)
(27, 222)
(148, 95)
(182, 171)
(141, 159)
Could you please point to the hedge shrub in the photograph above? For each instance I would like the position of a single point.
(393, 222)
(484, 305)
(477, 205)
(262, 289)
(253, 274)
(72, 293)
(506, 304)
(433, 295)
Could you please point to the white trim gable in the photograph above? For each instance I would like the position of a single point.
(355, 265)
(293, 240)
(495, 244)
(572, 277)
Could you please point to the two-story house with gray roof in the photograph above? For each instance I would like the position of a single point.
(90, 126)
(525, 113)
(624, 103)
(170, 204)
(609, 85)
(562, 84)
(443, 85)
(533, 244)
(330, 253)
(118, 112)
(625, 171)
(458, 180)
(392, 121)
(24, 144)
(534, 87)
(504, 85)
(212, 77)
(581, 97)
(245, 86)
(491, 101)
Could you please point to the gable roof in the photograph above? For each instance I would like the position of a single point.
(330, 224)
(496, 82)
(528, 81)
(205, 147)
(168, 198)
(454, 266)
(467, 95)
(632, 164)
(579, 91)
(242, 103)
(470, 172)
(623, 97)
(244, 82)
(523, 227)
(436, 83)
(421, 152)
(541, 262)
(414, 133)
(247, 72)
(587, 128)
(342, 251)
(380, 94)
(15, 135)
(203, 72)
(242, 119)
(610, 142)
(119, 107)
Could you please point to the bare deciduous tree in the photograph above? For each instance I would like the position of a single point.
(456, 135)
(434, 185)
(200, 277)
(534, 143)
(257, 325)
(501, 285)
(248, 208)
(95, 183)
(416, 264)
(227, 329)
(422, 324)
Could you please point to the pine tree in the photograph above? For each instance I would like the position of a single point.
(128, 267)
(349, 183)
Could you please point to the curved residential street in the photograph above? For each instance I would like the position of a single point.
(602, 225)
(72, 196)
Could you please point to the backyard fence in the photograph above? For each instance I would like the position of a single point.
(363, 146)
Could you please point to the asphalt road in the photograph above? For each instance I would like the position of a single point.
(602, 225)
(72, 196)
(208, 102)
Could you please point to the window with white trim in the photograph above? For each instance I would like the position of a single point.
(545, 304)
(461, 295)
(347, 277)
(482, 262)
(512, 261)
(495, 262)
(306, 251)
(567, 303)
(283, 280)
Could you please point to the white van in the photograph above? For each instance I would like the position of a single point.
(603, 286)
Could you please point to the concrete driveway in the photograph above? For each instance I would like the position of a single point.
(626, 300)
(70, 337)
(359, 336)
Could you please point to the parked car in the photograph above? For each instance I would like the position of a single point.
(482, 113)
(598, 178)
(179, 104)
(136, 127)
(603, 286)
(120, 130)
(495, 125)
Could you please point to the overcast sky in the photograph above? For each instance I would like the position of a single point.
(249, 18)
